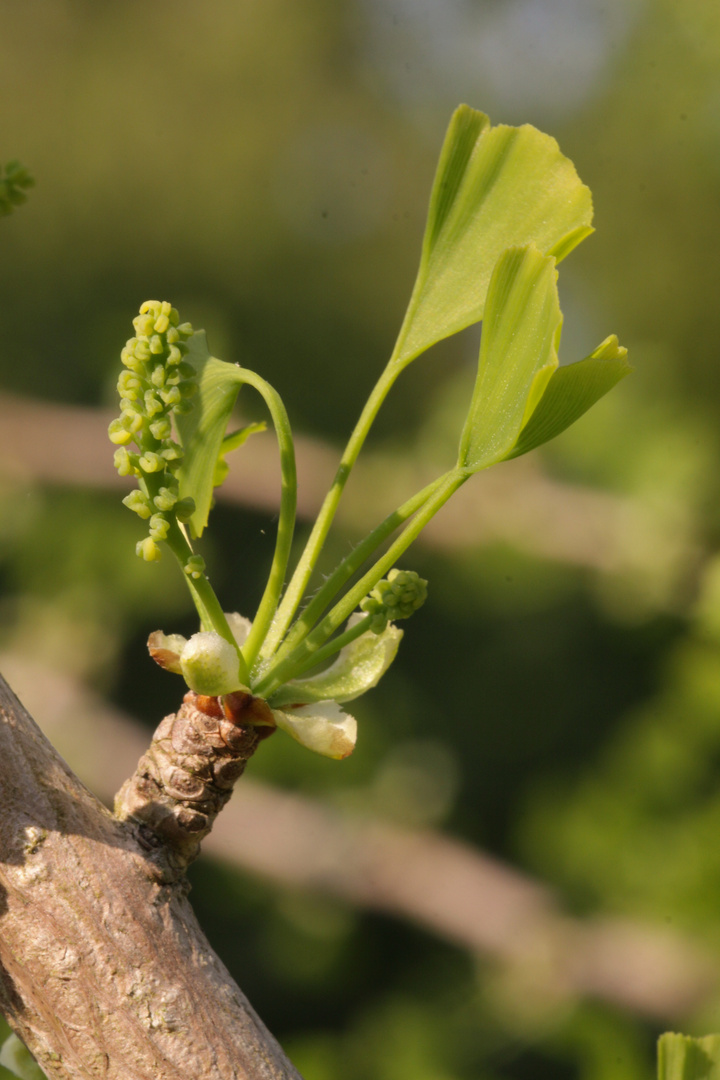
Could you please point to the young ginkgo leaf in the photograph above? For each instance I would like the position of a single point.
(518, 354)
(681, 1057)
(571, 391)
(495, 188)
(202, 429)
(358, 667)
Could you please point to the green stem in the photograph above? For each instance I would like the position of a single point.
(309, 557)
(332, 647)
(286, 522)
(212, 616)
(302, 656)
(352, 562)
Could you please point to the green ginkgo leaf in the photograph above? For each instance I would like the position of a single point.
(571, 391)
(202, 429)
(202, 433)
(681, 1057)
(358, 667)
(17, 1062)
(518, 355)
(495, 188)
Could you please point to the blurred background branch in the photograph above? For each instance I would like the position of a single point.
(519, 504)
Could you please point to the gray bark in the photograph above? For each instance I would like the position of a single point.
(104, 971)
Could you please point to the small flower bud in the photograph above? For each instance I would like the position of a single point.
(210, 664)
(158, 376)
(153, 405)
(159, 527)
(165, 499)
(139, 503)
(132, 420)
(172, 453)
(161, 429)
(378, 612)
(148, 550)
(143, 324)
(118, 433)
(128, 384)
(170, 396)
(124, 461)
(156, 345)
(131, 361)
(186, 329)
(161, 324)
(195, 566)
(151, 462)
(396, 597)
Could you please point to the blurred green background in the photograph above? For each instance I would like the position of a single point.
(266, 167)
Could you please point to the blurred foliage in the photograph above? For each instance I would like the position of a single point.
(266, 168)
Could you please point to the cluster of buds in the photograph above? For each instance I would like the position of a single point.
(12, 186)
(157, 382)
(395, 597)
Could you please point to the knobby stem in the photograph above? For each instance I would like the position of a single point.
(303, 656)
(352, 562)
(286, 522)
(308, 559)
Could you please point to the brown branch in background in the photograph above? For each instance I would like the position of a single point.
(441, 884)
(516, 504)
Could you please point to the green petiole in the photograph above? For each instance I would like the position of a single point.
(352, 562)
(286, 521)
(306, 564)
(209, 609)
(303, 656)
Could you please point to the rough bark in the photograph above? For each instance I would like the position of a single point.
(187, 775)
(104, 971)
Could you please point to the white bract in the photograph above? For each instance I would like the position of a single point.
(358, 667)
(307, 709)
(322, 727)
(210, 664)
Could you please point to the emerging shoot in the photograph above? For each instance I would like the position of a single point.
(506, 207)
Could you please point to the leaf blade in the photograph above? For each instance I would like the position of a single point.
(202, 430)
(518, 353)
(516, 188)
(681, 1057)
(359, 667)
(571, 391)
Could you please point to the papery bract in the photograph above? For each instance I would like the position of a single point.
(322, 727)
